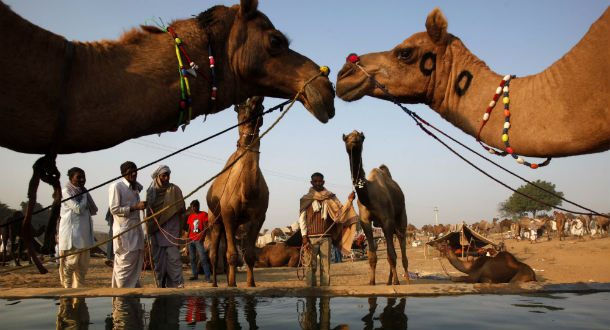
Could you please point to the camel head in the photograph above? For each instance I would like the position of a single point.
(409, 71)
(258, 60)
(250, 114)
(353, 142)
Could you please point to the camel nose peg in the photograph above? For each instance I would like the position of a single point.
(353, 57)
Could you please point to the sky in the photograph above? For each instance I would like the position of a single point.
(513, 37)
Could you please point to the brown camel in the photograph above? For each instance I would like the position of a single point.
(560, 220)
(277, 255)
(91, 84)
(134, 78)
(505, 225)
(602, 223)
(503, 267)
(277, 232)
(381, 203)
(10, 231)
(435, 67)
(240, 195)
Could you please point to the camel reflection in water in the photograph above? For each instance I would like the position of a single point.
(392, 317)
(170, 312)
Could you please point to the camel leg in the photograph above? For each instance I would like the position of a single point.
(215, 232)
(372, 256)
(231, 251)
(391, 252)
(402, 240)
(40, 170)
(252, 228)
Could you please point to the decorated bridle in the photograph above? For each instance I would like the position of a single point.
(186, 99)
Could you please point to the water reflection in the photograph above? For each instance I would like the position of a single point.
(392, 317)
(250, 312)
(72, 314)
(127, 313)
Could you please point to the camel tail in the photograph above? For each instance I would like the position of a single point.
(385, 170)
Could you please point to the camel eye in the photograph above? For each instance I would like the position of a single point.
(277, 41)
(406, 54)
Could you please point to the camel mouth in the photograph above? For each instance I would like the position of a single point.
(350, 85)
(318, 99)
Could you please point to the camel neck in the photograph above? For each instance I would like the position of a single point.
(562, 98)
(357, 173)
(355, 166)
(457, 263)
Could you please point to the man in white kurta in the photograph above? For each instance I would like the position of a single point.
(75, 230)
(125, 206)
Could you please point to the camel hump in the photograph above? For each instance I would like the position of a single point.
(385, 170)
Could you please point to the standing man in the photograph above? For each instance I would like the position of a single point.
(164, 241)
(75, 229)
(319, 208)
(125, 204)
(198, 224)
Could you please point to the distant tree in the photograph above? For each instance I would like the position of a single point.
(518, 205)
(40, 220)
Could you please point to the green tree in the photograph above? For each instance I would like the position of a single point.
(40, 220)
(519, 205)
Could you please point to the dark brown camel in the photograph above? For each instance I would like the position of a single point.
(91, 84)
(434, 67)
(381, 203)
(240, 195)
(277, 255)
(505, 225)
(10, 229)
(501, 268)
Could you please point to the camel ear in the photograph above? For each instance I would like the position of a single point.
(362, 134)
(344, 138)
(248, 8)
(436, 25)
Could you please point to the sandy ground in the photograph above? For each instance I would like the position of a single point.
(569, 261)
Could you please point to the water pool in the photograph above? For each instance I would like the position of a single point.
(556, 311)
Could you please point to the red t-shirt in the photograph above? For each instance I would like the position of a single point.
(197, 223)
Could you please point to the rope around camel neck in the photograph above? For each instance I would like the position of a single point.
(227, 167)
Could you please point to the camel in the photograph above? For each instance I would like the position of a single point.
(115, 90)
(435, 67)
(239, 196)
(381, 203)
(275, 233)
(105, 77)
(277, 255)
(503, 267)
(560, 219)
(505, 225)
(10, 230)
(602, 223)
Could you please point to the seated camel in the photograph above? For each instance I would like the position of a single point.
(276, 255)
(502, 267)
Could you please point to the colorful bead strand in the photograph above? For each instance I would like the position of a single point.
(503, 89)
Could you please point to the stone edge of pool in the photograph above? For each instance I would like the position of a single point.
(334, 291)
